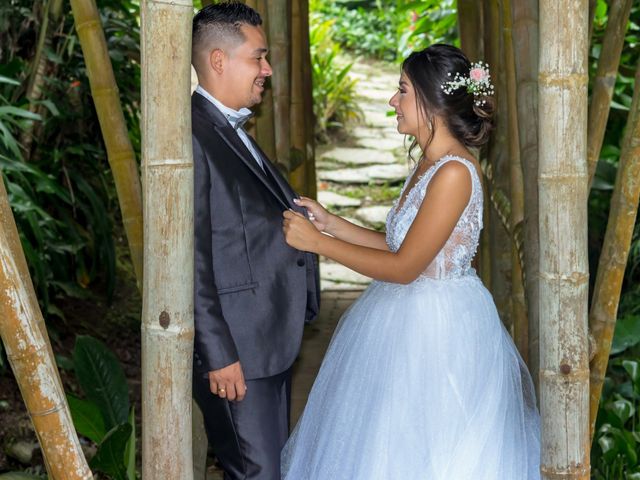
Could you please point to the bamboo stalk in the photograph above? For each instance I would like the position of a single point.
(298, 171)
(167, 303)
(120, 154)
(605, 80)
(264, 123)
(525, 42)
(279, 13)
(39, 65)
(564, 269)
(28, 349)
(309, 119)
(518, 304)
(499, 239)
(615, 250)
(470, 26)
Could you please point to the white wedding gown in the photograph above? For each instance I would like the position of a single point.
(421, 381)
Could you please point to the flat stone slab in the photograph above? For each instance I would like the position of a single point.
(361, 156)
(378, 119)
(381, 143)
(326, 198)
(374, 92)
(373, 215)
(366, 132)
(376, 174)
(334, 272)
(327, 286)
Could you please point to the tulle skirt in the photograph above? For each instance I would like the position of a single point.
(420, 381)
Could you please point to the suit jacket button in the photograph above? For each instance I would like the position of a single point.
(301, 262)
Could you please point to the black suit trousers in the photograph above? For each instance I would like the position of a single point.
(247, 437)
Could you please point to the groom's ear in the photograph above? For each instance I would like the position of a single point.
(217, 60)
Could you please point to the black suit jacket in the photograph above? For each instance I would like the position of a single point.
(252, 291)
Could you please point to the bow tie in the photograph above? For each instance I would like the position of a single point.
(238, 119)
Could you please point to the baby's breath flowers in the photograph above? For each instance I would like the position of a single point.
(478, 83)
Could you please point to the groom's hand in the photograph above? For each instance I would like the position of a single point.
(228, 382)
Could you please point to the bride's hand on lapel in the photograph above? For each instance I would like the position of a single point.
(316, 212)
(299, 232)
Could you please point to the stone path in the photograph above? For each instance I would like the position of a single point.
(360, 177)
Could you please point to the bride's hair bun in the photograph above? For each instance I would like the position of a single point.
(441, 77)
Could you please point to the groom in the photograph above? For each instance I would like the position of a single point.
(252, 291)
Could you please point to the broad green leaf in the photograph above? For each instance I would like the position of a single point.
(109, 458)
(626, 334)
(87, 418)
(102, 379)
(64, 362)
(622, 409)
(633, 369)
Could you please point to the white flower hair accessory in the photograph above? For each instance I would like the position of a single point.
(477, 83)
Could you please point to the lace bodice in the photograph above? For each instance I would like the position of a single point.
(454, 260)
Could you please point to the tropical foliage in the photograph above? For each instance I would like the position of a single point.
(388, 29)
(51, 154)
(104, 416)
(334, 91)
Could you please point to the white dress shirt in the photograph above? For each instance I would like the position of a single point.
(236, 119)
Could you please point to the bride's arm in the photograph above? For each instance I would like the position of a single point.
(340, 228)
(446, 198)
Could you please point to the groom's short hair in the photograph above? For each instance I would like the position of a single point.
(218, 26)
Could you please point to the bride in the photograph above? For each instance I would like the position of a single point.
(421, 380)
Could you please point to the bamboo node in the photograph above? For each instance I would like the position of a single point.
(43, 413)
(565, 369)
(164, 320)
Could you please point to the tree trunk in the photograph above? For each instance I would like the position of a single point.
(29, 352)
(525, 43)
(605, 80)
(121, 156)
(279, 13)
(518, 304)
(615, 250)
(564, 270)
(167, 302)
(470, 26)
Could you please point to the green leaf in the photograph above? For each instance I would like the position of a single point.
(102, 379)
(109, 458)
(87, 418)
(623, 410)
(626, 334)
(8, 80)
(64, 362)
(633, 369)
(19, 112)
(130, 451)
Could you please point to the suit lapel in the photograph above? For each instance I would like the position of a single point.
(285, 189)
(232, 139)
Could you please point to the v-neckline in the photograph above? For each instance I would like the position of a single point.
(404, 195)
